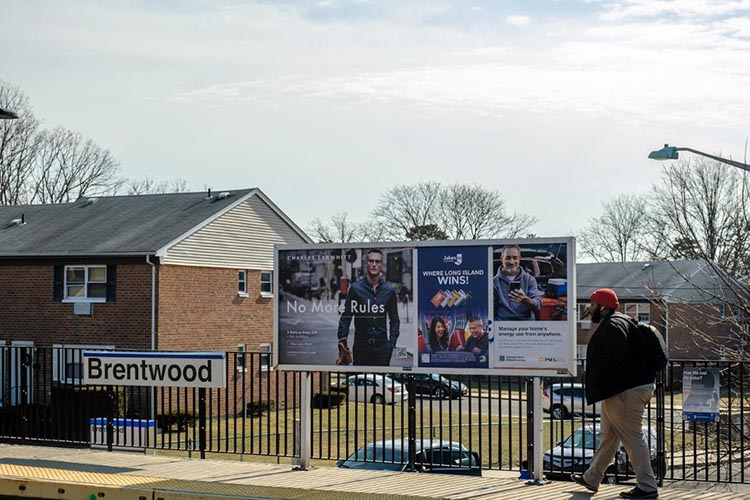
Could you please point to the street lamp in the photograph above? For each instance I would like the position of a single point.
(7, 115)
(670, 153)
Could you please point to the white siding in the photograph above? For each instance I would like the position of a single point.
(242, 238)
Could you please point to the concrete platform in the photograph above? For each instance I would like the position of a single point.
(60, 473)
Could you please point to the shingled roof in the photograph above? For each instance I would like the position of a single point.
(111, 225)
(676, 281)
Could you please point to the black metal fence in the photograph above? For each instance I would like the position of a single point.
(44, 402)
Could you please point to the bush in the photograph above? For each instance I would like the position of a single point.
(257, 408)
(327, 399)
(182, 419)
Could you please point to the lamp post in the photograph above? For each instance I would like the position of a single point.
(670, 153)
(7, 115)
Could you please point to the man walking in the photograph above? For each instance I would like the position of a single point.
(370, 301)
(618, 379)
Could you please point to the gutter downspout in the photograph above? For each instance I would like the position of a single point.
(153, 327)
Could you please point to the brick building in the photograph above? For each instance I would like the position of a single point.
(184, 271)
(692, 302)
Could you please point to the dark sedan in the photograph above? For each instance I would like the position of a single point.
(431, 455)
(432, 384)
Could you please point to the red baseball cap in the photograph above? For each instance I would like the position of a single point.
(605, 297)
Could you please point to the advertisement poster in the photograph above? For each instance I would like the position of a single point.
(700, 391)
(502, 307)
(530, 309)
(453, 307)
(346, 306)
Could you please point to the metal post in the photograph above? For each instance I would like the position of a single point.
(412, 422)
(202, 421)
(305, 432)
(110, 418)
(536, 445)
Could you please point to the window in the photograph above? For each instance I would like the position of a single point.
(67, 361)
(265, 357)
(641, 312)
(239, 361)
(725, 308)
(242, 283)
(88, 283)
(582, 312)
(266, 283)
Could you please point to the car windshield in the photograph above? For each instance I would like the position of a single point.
(378, 452)
(582, 438)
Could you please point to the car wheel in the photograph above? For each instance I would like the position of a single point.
(378, 399)
(440, 393)
(559, 412)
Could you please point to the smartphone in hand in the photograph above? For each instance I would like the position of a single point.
(515, 286)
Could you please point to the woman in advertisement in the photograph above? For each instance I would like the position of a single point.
(437, 336)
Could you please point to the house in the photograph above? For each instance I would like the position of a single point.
(692, 302)
(183, 271)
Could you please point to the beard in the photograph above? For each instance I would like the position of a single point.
(596, 315)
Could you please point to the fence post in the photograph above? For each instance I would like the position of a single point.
(110, 418)
(305, 432)
(202, 420)
(412, 422)
(537, 435)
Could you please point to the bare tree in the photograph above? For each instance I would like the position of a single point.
(619, 234)
(69, 167)
(458, 211)
(19, 142)
(403, 208)
(339, 229)
(147, 185)
(701, 209)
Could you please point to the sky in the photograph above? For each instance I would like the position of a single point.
(326, 104)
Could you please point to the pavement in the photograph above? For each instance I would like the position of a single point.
(63, 473)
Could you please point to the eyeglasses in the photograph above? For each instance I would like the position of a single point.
(374, 261)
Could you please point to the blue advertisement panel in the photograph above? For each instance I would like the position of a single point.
(700, 390)
(453, 307)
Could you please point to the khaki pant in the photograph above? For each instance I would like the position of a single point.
(622, 415)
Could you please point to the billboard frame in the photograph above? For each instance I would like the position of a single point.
(570, 370)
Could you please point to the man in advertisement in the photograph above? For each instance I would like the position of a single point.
(477, 343)
(625, 387)
(373, 304)
(516, 293)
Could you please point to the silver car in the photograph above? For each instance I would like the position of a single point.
(565, 399)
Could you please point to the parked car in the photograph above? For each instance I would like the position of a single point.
(562, 400)
(432, 384)
(371, 387)
(431, 455)
(575, 452)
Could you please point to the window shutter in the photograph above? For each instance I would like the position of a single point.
(111, 280)
(59, 283)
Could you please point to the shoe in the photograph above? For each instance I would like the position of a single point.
(639, 493)
(578, 478)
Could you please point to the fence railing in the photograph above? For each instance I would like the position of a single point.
(45, 402)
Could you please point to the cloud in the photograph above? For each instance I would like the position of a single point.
(681, 8)
(518, 21)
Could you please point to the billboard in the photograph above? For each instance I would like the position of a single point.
(481, 306)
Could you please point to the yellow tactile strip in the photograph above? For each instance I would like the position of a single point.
(317, 484)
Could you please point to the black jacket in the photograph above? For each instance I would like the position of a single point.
(610, 369)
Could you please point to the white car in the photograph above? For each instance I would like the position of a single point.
(369, 387)
(565, 399)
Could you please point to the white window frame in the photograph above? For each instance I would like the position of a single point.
(240, 361)
(640, 309)
(242, 283)
(75, 353)
(265, 357)
(268, 281)
(86, 284)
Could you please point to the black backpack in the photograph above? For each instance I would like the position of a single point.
(647, 346)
